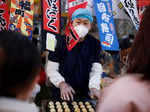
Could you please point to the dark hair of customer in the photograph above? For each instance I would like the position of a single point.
(20, 63)
(139, 57)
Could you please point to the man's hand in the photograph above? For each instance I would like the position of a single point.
(94, 93)
(66, 91)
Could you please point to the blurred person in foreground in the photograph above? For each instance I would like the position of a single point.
(19, 72)
(76, 74)
(131, 92)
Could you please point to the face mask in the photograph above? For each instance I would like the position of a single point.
(81, 30)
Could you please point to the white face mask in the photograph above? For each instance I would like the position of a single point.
(81, 30)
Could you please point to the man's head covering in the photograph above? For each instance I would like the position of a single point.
(82, 13)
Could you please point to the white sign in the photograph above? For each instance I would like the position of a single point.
(131, 8)
(50, 42)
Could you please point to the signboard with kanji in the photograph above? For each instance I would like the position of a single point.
(21, 16)
(105, 21)
(51, 15)
(4, 15)
(131, 8)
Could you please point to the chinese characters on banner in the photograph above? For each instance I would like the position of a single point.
(105, 21)
(4, 15)
(51, 15)
(131, 8)
(21, 16)
(72, 37)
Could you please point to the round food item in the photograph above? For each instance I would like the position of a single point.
(82, 106)
(65, 106)
(87, 103)
(74, 103)
(59, 110)
(77, 110)
(80, 103)
(84, 110)
(75, 106)
(58, 106)
(67, 110)
(89, 106)
(91, 110)
(57, 103)
(51, 106)
(64, 103)
(52, 110)
(51, 103)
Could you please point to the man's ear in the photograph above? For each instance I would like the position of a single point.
(90, 26)
(37, 78)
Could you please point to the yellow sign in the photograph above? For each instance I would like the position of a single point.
(21, 16)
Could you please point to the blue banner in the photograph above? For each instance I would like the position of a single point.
(105, 22)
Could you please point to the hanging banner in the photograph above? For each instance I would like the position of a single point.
(105, 21)
(119, 10)
(51, 15)
(142, 3)
(21, 16)
(142, 6)
(72, 37)
(131, 8)
(4, 15)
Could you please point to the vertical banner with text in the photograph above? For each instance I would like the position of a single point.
(131, 8)
(21, 16)
(105, 21)
(51, 16)
(4, 15)
(72, 37)
(51, 23)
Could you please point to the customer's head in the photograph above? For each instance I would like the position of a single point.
(19, 65)
(81, 21)
(139, 57)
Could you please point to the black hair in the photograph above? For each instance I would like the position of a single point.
(20, 63)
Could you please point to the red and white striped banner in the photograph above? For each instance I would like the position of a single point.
(51, 15)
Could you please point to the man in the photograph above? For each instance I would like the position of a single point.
(20, 64)
(77, 72)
